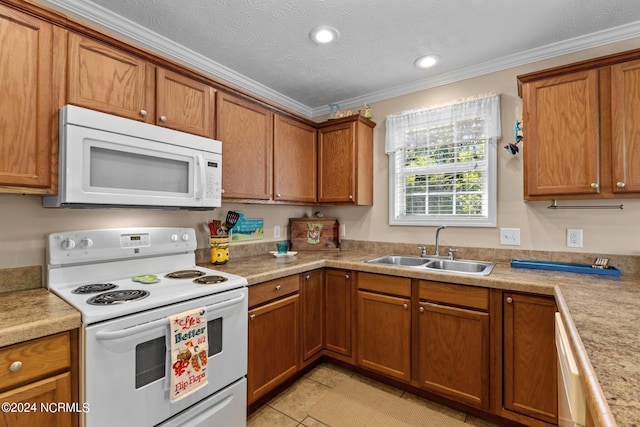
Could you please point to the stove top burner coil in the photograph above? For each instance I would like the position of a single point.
(118, 297)
(185, 274)
(210, 280)
(94, 288)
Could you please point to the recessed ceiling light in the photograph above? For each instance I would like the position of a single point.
(324, 34)
(426, 61)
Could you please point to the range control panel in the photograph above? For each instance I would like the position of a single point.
(118, 243)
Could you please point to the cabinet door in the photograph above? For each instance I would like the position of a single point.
(384, 334)
(106, 79)
(246, 132)
(453, 353)
(338, 312)
(49, 391)
(530, 366)
(184, 104)
(27, 104)
(625, 110)
(294, 161)
(312, 320)
(274, 345)
(336, 174)
(562, 137)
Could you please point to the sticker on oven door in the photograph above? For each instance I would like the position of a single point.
(189, 348)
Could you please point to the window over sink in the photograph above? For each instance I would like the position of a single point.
(442, 164)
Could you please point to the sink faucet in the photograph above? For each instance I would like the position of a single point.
(438, 239)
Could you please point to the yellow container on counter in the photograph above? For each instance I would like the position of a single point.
(219, 249)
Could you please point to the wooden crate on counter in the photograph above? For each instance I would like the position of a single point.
(314, 234)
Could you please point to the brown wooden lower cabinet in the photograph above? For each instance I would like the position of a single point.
(273, 345)
(46, 377)
(338, 313)
(384, 326)
(312, 314)
(32, 401)
(530, 366)
(453, 353)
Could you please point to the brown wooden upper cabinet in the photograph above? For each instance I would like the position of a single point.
(31, 91)
(246, 131)
(582, 131)
(294, 161)
(266, 155)
(345, 161)
(104, 78)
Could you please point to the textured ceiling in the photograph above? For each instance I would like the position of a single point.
(266, 41)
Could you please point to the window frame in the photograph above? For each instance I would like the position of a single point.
(490, 220)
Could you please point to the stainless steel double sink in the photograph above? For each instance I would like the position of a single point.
(462, 266)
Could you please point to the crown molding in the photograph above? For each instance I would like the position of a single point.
(139, 36)
(142, 37)
(601, 38)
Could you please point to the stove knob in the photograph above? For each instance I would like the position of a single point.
(174, 237)
(86, 243)
(185, 237)
(68, 244)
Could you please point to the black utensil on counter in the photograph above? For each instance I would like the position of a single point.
(231, 220)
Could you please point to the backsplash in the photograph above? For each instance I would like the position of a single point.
(21, 278)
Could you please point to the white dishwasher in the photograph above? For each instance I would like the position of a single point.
(571, 400)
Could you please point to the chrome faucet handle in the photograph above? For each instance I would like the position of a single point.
(452, 253)
(423, 249)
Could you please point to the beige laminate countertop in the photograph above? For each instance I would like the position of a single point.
(601, 313)
(34, 313)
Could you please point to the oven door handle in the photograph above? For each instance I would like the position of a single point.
(127, 332)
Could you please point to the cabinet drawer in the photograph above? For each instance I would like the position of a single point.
(264, 292)
(39, 358)
(385, 284)
(460, 295)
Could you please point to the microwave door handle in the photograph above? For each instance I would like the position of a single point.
(200, 177)
(127, 332)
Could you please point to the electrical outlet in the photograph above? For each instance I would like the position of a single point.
(343, 230)
(276, 231)
(574, 238)
(510, 236)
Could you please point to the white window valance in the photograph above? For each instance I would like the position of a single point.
(401, 127)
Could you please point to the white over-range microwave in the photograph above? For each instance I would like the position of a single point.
(109, 161)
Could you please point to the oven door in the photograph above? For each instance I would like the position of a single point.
(126, 361)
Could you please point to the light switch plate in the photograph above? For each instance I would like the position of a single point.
(510, 236)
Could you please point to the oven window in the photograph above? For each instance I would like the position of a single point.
(151, 355)
(150, 361)
(214, 335)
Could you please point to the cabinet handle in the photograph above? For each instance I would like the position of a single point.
(222, 191)
(15, 366)
(143, 113)
(621, 185)
(307, 277)
(509, 300)
(278, 288)
(405, 306)
(253, 316)
(278, 195)
(595, 185)
(163, 119)
(350, 197)
(421, 309)
(346, 276)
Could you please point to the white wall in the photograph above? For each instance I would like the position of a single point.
(605, 231)
(24, 223)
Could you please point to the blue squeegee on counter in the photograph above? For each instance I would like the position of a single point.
(564, 266)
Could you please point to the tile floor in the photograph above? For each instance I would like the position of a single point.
(290, 407)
